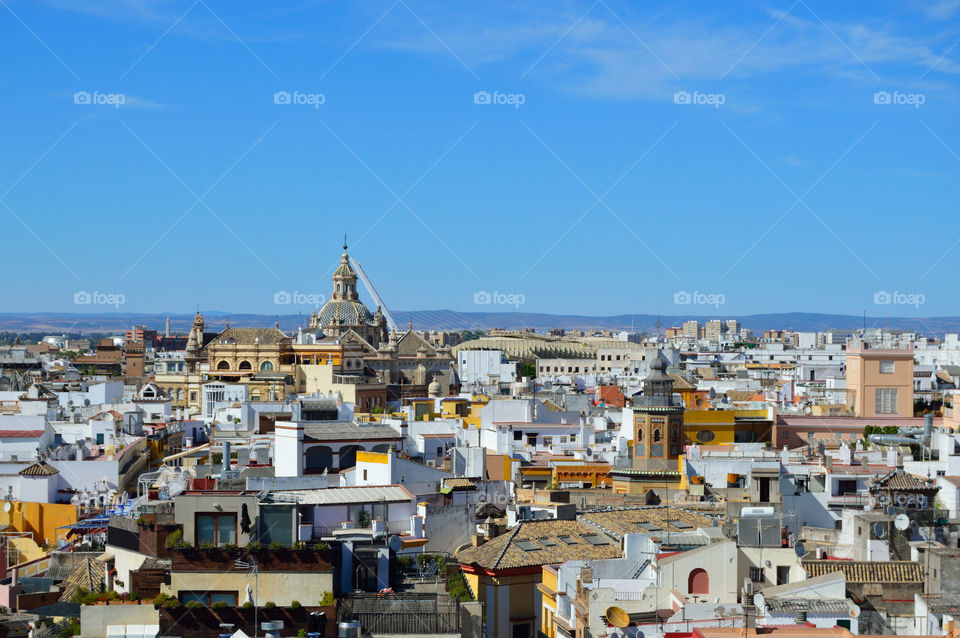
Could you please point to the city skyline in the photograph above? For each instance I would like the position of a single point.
(768, 160)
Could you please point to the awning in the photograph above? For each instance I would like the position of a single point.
(60, 609)
(180, 455)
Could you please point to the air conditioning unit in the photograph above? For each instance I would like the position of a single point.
(431, 463)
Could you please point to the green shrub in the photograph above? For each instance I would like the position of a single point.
(195, 604)
(247, 605)
(171, 603)
(175, 540)
(327, 600)
(457, 587)
(299, 545)
(220, 604)
(270, 604)
(276, 546)
(255, 546)
(72, 629)
(295, 604)
(319, 547)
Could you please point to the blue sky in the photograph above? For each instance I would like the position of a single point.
(784, 185)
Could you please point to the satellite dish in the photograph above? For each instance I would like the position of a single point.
(800, 550)
(7, 506)
(890, 510)
(915, 526)
(396, 543)
(901, 522)
(879, 530)
(617, 617)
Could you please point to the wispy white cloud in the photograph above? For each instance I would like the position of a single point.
(605, 57)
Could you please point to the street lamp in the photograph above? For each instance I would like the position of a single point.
(256, 583)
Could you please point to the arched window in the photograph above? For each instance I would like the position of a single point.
(245, 365)
(656, 435)
(266, 366)
(698, 582)
(639, 434)
(179, 394)
(223, 365)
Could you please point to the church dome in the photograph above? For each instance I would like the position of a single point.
(347, 313)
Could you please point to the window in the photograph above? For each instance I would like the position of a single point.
(217, 529)
(364, 475)
(518, 435)
(547, 440)
(886, 401)
(756, 574)
(783, 574)
(266, 366)
(886, 366)
(573, 438)
(210, 597)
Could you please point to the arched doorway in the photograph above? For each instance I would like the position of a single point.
(698, 582)
(348, 456)
(318, 458)
(383, 448)
(223, 365)
(245, 365)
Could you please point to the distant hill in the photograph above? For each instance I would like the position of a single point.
(57, 323)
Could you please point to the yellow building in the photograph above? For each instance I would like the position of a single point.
(879, 380)
(39, 519)
(548, 601)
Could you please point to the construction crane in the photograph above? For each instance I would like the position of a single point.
(373, 293)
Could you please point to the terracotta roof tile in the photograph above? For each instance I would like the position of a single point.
(855, 571)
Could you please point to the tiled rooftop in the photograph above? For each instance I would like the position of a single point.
(900, 571)
(641, 520)
(534, 543)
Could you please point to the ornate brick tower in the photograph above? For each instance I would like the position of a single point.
(657, 421)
